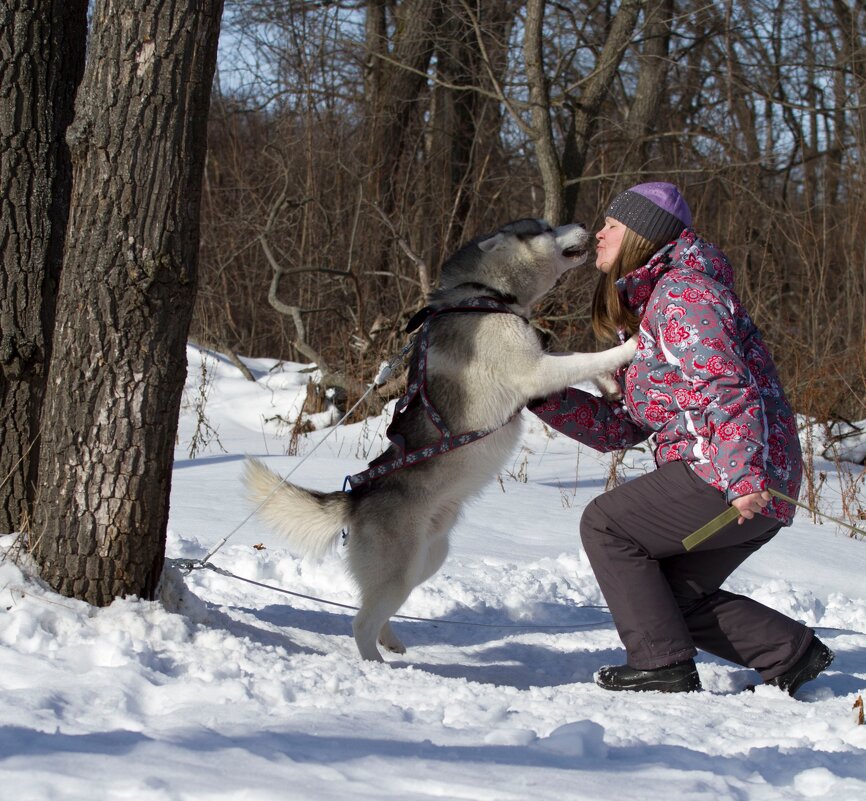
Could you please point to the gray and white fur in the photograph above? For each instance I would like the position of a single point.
(482, 368)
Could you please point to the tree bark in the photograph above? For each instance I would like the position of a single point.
(465, 117)
(853, 45)
(651, 87)
(42, 44)
(125, 297)
(395, 81)
(596, 90)
(396, 78)
(549, 166)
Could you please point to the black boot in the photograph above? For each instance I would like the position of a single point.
(679, 678)
(817, 657)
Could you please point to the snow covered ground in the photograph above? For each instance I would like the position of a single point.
(228, 690)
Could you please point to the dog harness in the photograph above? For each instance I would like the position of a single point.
(416, 393)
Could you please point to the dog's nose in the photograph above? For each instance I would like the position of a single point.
(582, 225)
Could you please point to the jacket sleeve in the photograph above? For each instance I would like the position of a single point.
(698, 331)
(603, 425)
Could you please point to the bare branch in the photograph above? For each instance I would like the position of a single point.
(420, 264)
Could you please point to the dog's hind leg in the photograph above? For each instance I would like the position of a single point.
(390, 641)
(380, 560)
(436, 551)
(437, 541)
(388, 565)
(378, 604)
(429, 559)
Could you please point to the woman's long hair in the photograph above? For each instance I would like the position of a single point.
(609, 313)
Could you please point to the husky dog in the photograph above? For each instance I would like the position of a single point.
(481, 370)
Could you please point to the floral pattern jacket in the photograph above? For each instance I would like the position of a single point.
(702, 383)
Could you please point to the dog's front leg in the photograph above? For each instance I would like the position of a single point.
(556, 371)
(608, 386)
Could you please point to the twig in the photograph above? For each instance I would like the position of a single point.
(420, 264)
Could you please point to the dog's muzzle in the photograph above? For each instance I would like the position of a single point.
(575, 253)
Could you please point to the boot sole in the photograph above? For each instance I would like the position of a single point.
(689, 684)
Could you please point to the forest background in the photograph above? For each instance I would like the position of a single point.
(354, 145)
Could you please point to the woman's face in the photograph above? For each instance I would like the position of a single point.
(608, 244)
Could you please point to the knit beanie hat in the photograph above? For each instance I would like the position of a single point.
(656, 211)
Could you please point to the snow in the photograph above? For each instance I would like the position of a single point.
(224, 689)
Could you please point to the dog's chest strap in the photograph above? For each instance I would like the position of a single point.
(416, 392)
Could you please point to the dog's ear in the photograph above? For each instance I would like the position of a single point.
(492, 243)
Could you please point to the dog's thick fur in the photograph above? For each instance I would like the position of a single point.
(482, 368)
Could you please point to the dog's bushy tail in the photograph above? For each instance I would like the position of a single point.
(308, 521)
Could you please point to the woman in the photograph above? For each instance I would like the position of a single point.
(704, 386)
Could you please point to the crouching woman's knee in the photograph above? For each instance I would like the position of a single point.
(594, 527)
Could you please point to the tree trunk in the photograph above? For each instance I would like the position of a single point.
(465, 118)
(395, 79)
(853, 44)
(597, 88)
(125, 297)
(549, 167)
(651, 88)
(42, 44)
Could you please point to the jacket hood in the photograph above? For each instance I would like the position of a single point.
(688, 253)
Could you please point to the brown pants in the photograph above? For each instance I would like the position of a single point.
(665, 601)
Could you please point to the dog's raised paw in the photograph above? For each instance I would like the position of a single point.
(609, 386)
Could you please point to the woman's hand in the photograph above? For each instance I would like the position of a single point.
(750, 505)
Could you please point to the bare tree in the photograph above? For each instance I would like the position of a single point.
(542, 132)
(463, 141)
(397, 77)
(561, 174)
(594, 91)
(649, 93)
(125, 297)
(43, 44)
